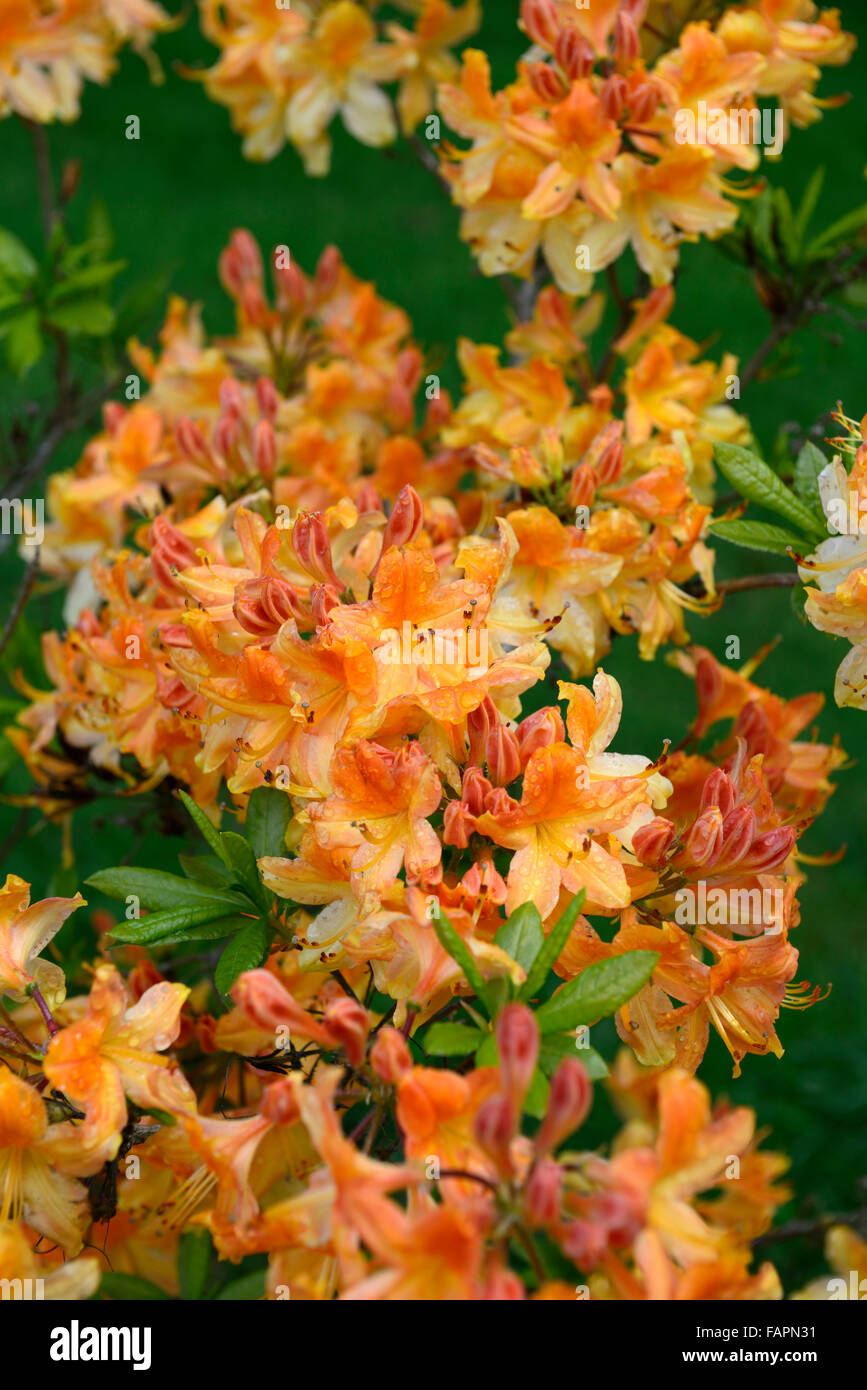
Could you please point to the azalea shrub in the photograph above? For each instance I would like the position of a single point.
(421, 922)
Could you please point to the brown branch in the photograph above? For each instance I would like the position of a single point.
(757, 581)
(24, 590)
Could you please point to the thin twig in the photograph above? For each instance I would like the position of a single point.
(758, 581)
(24, 589)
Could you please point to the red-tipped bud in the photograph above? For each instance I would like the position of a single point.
(267, 397)
(609, 466)
(574, 54)
(231, 397)
(312, 547)
(290, 286)
(705, 840)
(390, 1057)
(613, 96)
(265, 448)
(458, 824)
(324, 597)
(770, 850)
(739, 832)
(475, 789)
(627, 44)
(171, 550)
(480, 721)
(227, 433)
(503, 1286)
(406, 519)
(569, 1102)
(279, 1103)
(543, 1193)
(584, 1243)
(253, 305)
(582, 489)
(502, 756)
(268, 1004)
(652, 842)
(547, 83)
(349, 1025)
(719, 790)
(262, 606)
(643, 102)
(709, 684)
(328, 270)
(539, 730)
(518, 1046)
(539, 18)
(368, 499)
(190, 440)
(494, 1128)
(249, 257)
(113, 413)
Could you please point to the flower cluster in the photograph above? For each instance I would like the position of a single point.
(285, 72)
(266, 1167)
(245, 627)
(836, 573)
(50, 48)
(603, 141)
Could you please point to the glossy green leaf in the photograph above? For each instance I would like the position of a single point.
(555, 941)
(598, 991)
(522, 937)
(761, 535)
(245, 951)
(451, 1039)
(752, 477)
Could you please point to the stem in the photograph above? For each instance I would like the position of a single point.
(50, 1021)
(44, 177)
(29, 579)
(758, 581)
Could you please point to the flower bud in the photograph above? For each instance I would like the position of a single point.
(328, 270)
(480, 721)
(718, 790)
(705, 841)
(739, 831)
(475, 788)
(263, 605)
(309, 540)
(171, 551)
(191, 441)
(458, 824)
(279, 1103)
(502, 756)
(547, 83)
(323, 598)
(627, 44)
(348, 1024)
(613, 96)
(518, 1046)
(574, 54)
(771, 850)
(265, 448)
(540, 22)
(494, 1127)
(569, 1102)
(405, 521)
(231, 397)
(543, 1192)
(390, 1057)
(652, 842)
(643, 102)
(539, 730)
(267, 397)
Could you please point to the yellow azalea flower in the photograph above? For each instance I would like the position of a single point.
(30, 1188)
(72, 1280)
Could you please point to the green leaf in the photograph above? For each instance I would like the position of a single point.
(760, 535)
(838, 231)
(522, 937)
(130, 1288)
(16, 262)
(24, 341)
(785, 226)
(88, 278)
(486, 1053)
(213, 836)
(248, 1288)
(205, 869)
(194, 1264)
(598, 991)
(460, 952)
(159, 925)
(451, 1039)
(855, 294)
(245, 868)
(269, 812)
(245, 951)
(157, 890)
(554, 944)
(750, 476)
(808, 203)
(808, 465)
(208, 931)
(90, 316)
(556, 1047)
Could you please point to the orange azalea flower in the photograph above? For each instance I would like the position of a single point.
(25, 931)
(380, 808)
(109, 1054)
(30, 1189)
(73, 1280)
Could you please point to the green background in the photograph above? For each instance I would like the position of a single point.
(174, 197)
